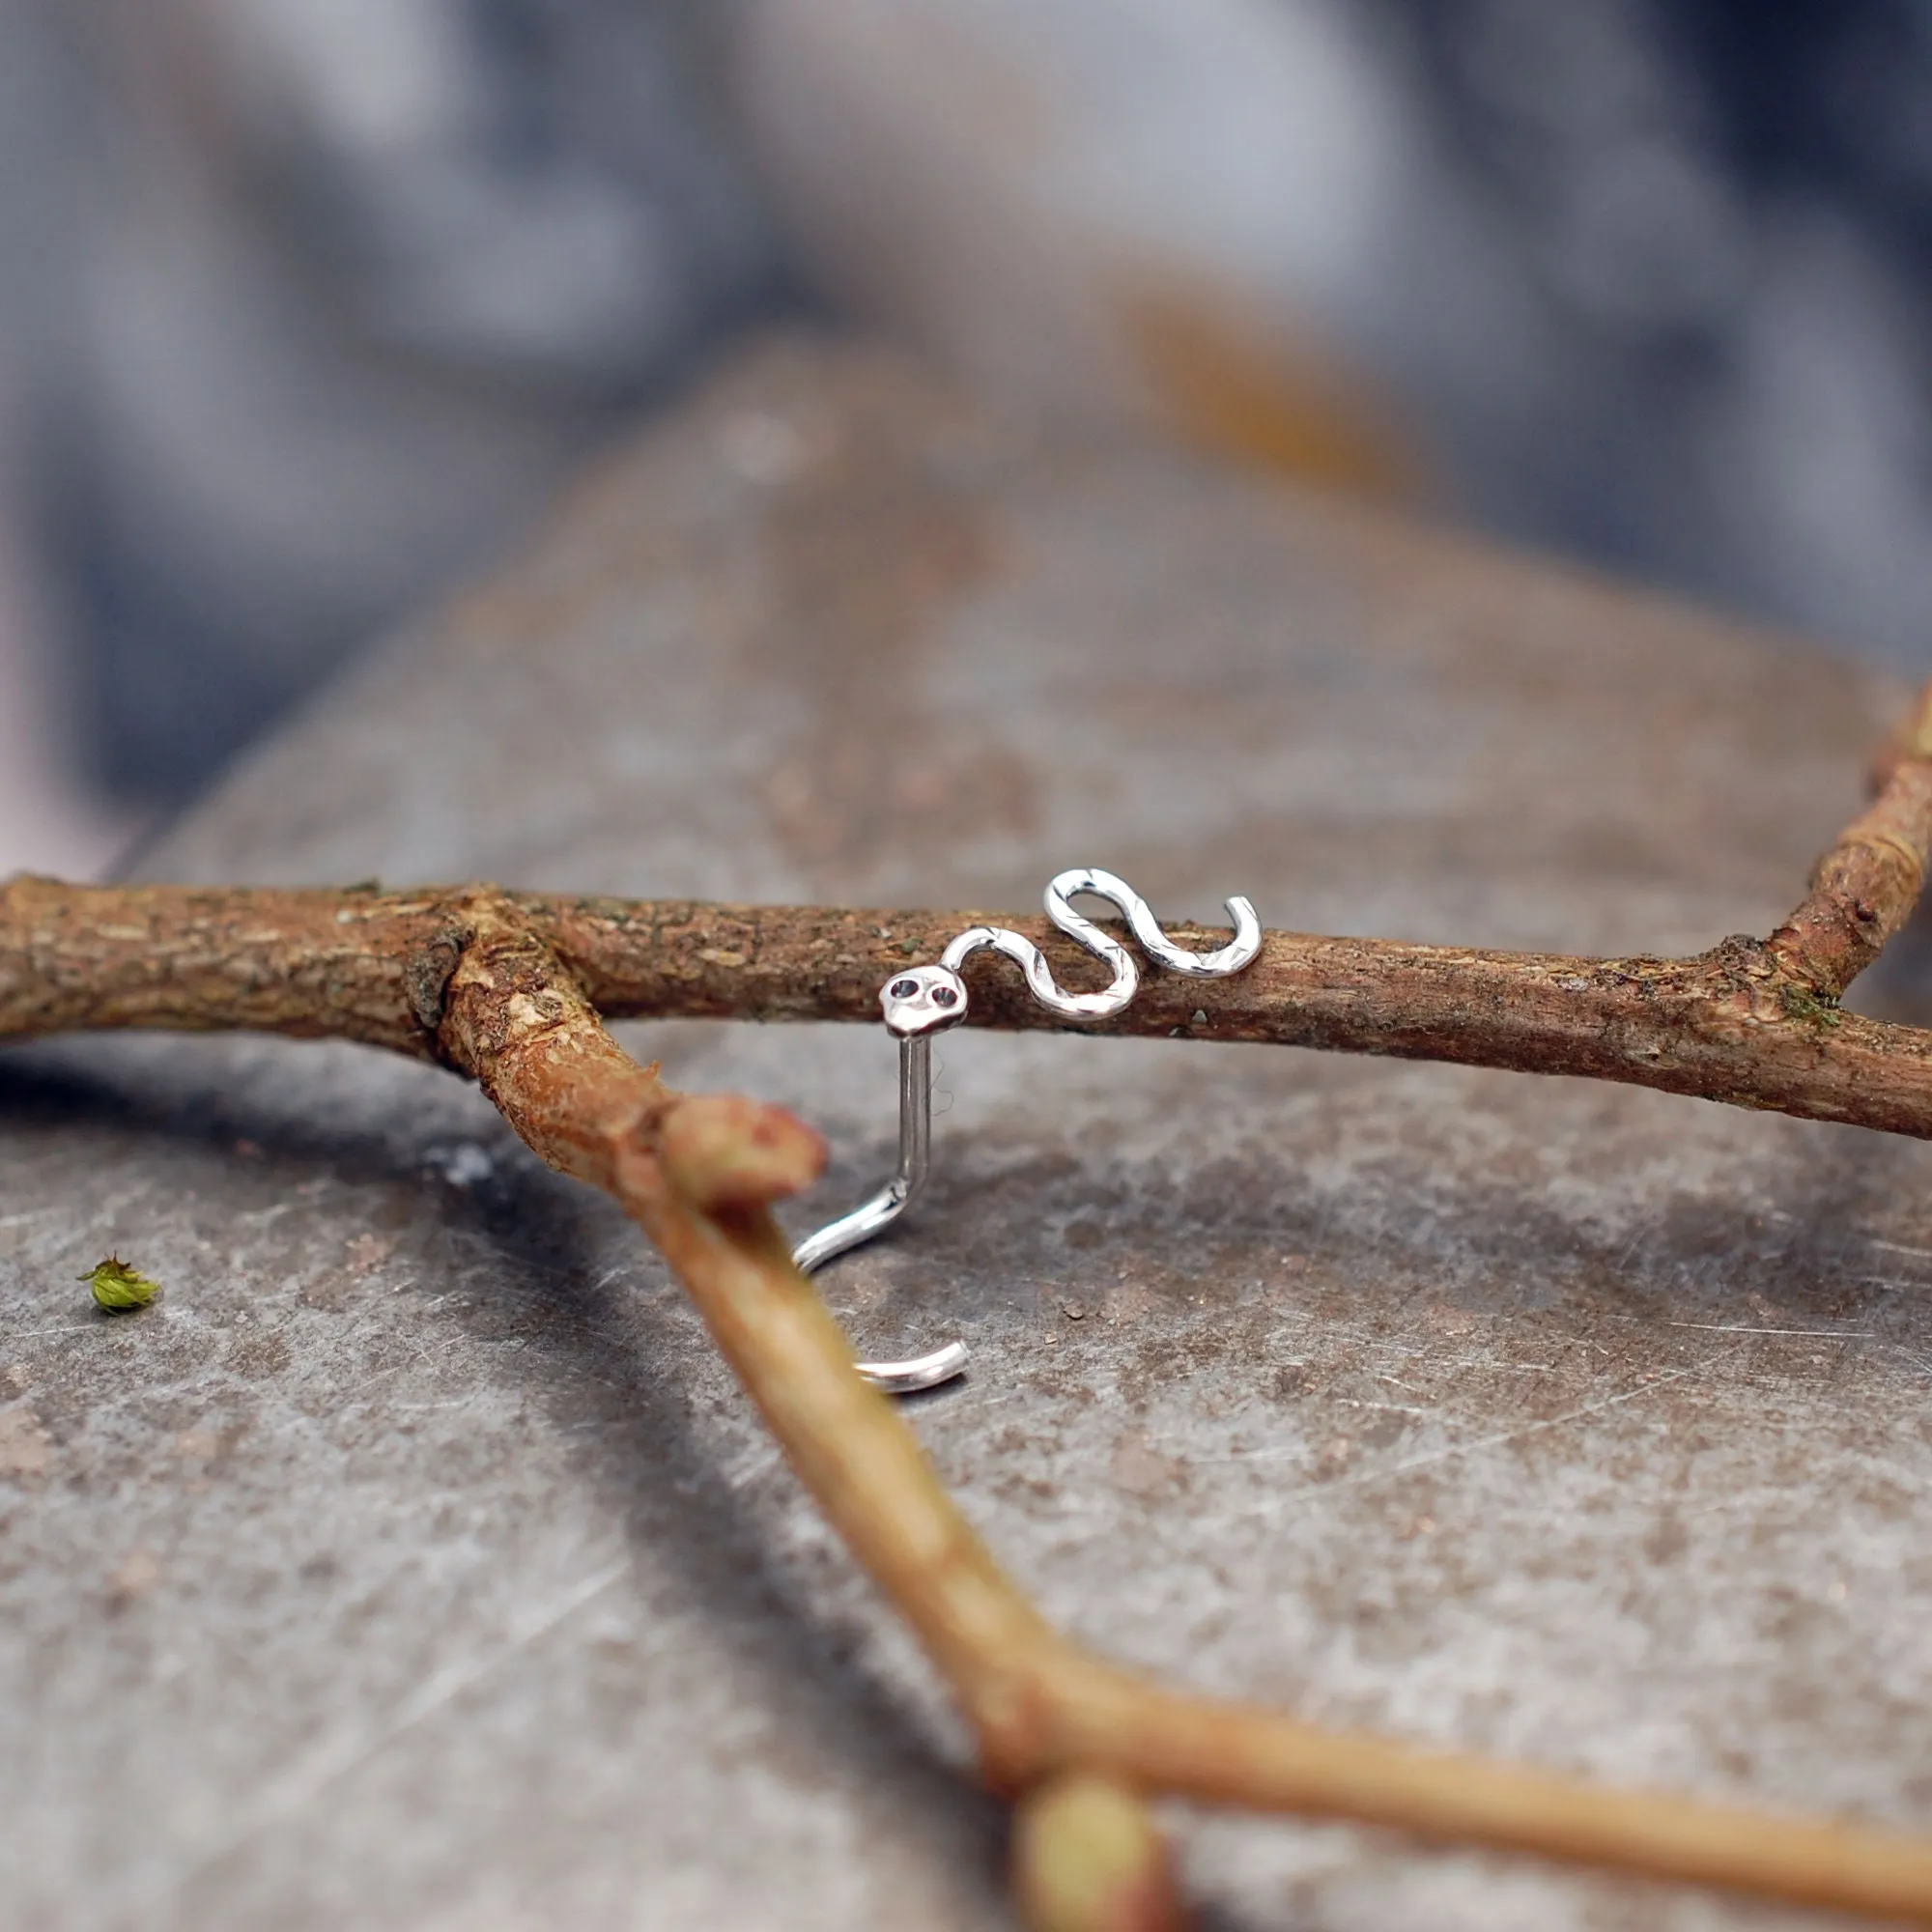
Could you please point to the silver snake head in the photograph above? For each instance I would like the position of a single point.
(922, 1000)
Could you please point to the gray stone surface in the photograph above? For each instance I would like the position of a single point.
(414, 1564)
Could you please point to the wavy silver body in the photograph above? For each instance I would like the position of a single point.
(925, 1000)
(1231, 958)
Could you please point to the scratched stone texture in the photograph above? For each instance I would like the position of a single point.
(414, 1565)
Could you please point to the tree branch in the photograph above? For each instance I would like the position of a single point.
(1752, 1023)
(508, 988)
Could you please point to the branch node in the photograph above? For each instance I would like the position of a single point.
(427, 973)
(1087, 1856)
(724, 1152)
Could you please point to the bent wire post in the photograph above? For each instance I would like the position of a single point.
(925, 1000)
(873, 1216)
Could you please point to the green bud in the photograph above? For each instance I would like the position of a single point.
(119, 1288)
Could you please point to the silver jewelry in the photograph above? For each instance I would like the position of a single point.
(925, 1000)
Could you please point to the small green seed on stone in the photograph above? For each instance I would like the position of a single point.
(119, 1288)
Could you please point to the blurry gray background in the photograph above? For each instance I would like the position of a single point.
(306, 304)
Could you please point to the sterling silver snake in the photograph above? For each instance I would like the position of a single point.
(926, 999)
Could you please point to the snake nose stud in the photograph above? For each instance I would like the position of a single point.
(922, 1001)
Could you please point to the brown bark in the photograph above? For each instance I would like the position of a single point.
(512, 990)
(1864, 888)
(1752, 1023)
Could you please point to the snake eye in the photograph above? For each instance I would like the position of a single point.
(945, 996)
(904, 989)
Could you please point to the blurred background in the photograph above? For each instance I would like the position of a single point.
(306, 305)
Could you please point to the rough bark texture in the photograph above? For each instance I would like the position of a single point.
(1753, 1023)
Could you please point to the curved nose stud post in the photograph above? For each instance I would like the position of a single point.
(925, 1000)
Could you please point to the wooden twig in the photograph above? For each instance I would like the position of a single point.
(1751, 1022)
(513, 989)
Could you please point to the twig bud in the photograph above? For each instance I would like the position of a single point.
(723, 1151)
(1087, 1856)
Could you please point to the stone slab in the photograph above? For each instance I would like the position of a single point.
(414, 1564)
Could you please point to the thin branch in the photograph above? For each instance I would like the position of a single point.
(508, 989)
(1864, 888)
(1752, 1023)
